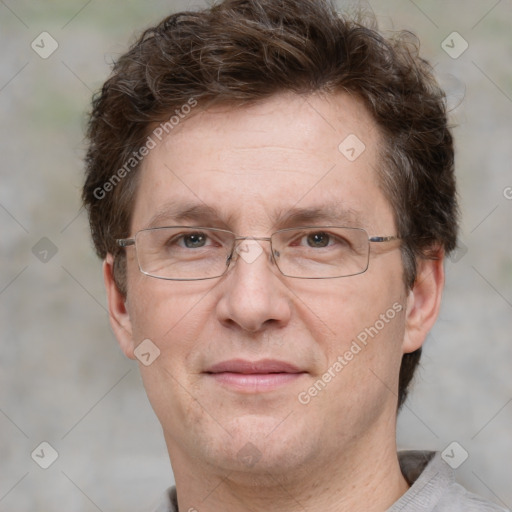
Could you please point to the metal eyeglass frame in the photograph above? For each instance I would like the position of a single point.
(127, 242)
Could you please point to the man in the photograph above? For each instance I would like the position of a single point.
(271, 188)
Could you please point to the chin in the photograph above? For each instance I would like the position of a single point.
(259, 445)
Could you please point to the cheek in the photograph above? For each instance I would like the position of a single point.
(358, 308)
(167, 312)
(174, 316)
(359, 380)
(364, 317)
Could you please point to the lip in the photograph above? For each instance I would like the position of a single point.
(263, 366)
(254, 376)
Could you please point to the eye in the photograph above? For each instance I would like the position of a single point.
(193, 240)
(318, 239)
(187, 240)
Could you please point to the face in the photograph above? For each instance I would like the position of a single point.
(258, 371)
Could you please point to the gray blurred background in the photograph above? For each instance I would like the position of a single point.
(63, 379)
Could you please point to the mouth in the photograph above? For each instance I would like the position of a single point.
(254, 376)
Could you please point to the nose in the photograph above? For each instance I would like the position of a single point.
(254, 295)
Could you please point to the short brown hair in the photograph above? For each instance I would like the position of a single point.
(241, 51)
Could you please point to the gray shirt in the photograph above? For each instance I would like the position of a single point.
(433, 488)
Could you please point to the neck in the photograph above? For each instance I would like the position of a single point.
(365, 477)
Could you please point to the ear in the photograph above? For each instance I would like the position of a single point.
(118, 313)
(424, 301)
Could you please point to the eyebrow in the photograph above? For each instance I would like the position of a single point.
(334, 213)
(330, 213)
(178, 212)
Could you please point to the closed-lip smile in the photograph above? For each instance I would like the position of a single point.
(254, 376)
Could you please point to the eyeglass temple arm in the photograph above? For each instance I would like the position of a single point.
(383, 238)
(125, 242)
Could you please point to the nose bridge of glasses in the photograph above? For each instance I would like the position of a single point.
(248, 248)
(241, 238)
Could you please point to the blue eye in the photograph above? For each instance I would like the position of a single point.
(194, 240)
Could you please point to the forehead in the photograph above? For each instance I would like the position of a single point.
(247, 167)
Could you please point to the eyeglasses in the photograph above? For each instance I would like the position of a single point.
(185, 253)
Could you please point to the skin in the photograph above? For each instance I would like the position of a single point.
(338, 452)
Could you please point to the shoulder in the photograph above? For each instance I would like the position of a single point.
(433, 487)
(168, 502)
(457, 498)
